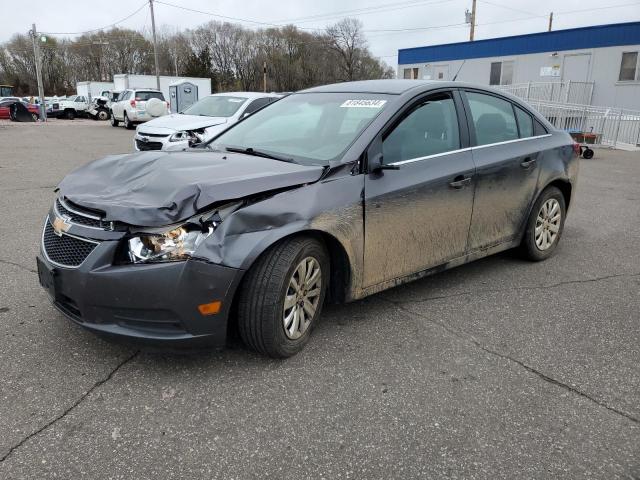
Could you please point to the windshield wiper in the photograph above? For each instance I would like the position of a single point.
(259, 153)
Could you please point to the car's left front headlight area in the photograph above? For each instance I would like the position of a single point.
(176, 244)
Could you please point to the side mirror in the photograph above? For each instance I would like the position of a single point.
(375, 164)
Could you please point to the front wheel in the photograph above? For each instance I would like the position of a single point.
(70, 114)
(114, 122)
(545, 225)
(282, 295)
(102, 115)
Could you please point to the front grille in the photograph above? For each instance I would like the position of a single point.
(77, 217)
(65, 250)
(145, 146)
(155, 135)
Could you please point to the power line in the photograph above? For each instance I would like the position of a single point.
(226, 17)
(101, 28)
(363, 11)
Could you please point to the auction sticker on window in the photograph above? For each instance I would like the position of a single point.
(363, 103)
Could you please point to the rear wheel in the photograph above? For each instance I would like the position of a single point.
(35, 117)
(282, 295)
(545, 225)
(127, 123)
(587, 153)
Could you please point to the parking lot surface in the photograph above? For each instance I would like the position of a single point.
(498, 369)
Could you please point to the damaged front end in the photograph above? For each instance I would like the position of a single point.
(177, 242)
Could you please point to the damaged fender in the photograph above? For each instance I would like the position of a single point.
(332, 206)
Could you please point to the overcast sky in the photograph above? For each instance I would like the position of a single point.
(495, 18)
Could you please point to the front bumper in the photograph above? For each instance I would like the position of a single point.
(148, 303)
(143, 141)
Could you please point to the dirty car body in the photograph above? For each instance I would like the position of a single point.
(427, 177)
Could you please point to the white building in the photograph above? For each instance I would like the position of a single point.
(598, 65)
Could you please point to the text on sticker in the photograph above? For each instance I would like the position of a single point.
(363, 103)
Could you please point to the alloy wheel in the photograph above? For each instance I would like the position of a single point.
(548, 224)
(302, 298)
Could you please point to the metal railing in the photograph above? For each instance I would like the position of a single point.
(561, 92)
(614, 127)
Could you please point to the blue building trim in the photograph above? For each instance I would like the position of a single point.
(571, 39)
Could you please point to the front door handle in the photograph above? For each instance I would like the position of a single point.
(528, 162)
(460, 181)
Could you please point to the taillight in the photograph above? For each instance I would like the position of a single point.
(577, 149)
(132, 103)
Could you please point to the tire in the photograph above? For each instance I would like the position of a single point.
(262, 315)
(544, 246)
(70, 114)
(127, 123)
(102, 115)
(587, 153)
(114, 122)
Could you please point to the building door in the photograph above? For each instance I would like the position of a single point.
(576, 67)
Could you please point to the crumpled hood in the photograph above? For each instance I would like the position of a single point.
(178, 121)
(158, 188)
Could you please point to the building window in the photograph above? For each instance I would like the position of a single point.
(628, 66)
(411, 73)
(501, 73)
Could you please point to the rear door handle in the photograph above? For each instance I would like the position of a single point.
(460, 181)
(528, 162)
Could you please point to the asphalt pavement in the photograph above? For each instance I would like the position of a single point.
(498, 369)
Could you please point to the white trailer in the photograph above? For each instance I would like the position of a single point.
(125, 80)
(93, 89)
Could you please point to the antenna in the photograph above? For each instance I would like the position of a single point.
(456, 75)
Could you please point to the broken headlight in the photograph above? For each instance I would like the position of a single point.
(177, 244)
(193, 137)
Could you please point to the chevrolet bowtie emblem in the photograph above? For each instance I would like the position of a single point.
(60, 225)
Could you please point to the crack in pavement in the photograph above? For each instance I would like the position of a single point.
(72, 407)
(514, 289)
(8, 262)
(467, 337)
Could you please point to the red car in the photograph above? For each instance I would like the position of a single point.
(5, 107)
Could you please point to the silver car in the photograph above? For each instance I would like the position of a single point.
(199, 122)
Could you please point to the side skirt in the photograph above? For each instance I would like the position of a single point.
(456, 262)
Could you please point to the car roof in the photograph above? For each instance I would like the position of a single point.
(393, 86)
(245, 94)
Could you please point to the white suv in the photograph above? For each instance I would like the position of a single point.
(138, 105)
(201, 121)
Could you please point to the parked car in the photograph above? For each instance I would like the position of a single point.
(5, 109)
(335, 192)
(137, 106)
(72, 107)
(199, 122)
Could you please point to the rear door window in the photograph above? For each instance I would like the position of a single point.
(525, 122)
(493, 118)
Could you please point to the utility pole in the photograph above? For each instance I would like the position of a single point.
(550, 20)
(102, 43)
(264, 77)
(473, 20)
(155, 46)
(36, 55)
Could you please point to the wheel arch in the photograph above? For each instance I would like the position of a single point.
(340, 265)
(564, 186)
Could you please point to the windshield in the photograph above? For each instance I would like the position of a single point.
(310, 128)
(72, 99)
(215, 106)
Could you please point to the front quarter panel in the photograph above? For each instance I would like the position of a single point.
(332, 206)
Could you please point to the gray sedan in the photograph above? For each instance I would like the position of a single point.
(330, 194)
